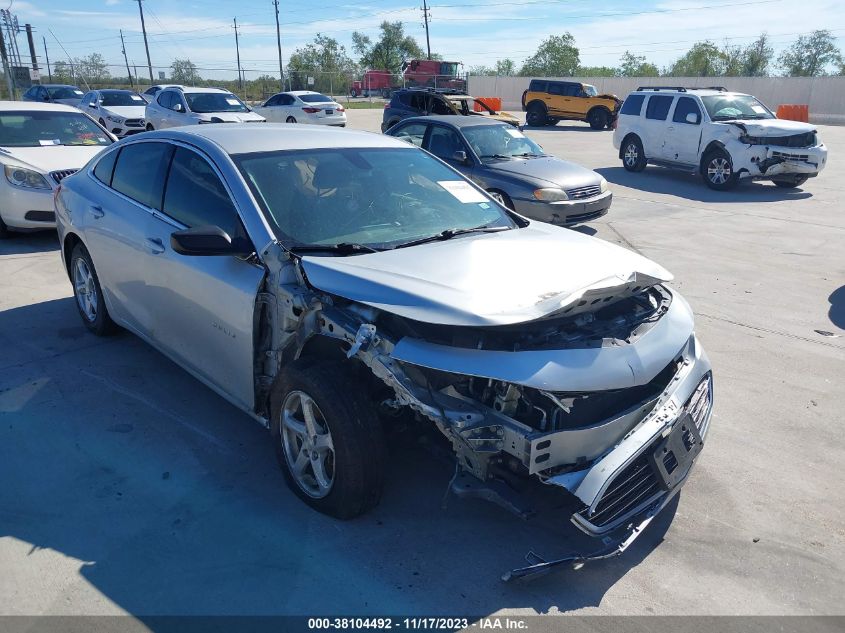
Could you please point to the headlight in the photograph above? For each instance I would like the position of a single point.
(603, 185)
(550, 195)
(27, 178)
(114, 119)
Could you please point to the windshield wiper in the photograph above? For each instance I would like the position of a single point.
(450, 233)
(497, 156)
(528, 155)
(343, 248)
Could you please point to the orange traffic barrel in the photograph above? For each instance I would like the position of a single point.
(494, 103)
(794, 112)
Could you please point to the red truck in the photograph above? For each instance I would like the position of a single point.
(416, 72)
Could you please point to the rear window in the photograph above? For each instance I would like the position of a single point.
(658, 107)
(537, 86)
(633, 105)
(105, 167)
(315, 98)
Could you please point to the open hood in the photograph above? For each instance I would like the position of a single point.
(486, 279)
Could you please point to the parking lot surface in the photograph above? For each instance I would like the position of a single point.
(126, 486)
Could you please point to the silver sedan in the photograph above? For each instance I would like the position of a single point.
(333, 283)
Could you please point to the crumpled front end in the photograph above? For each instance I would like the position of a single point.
(763, 156)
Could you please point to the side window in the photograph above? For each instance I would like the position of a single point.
(104, 169)
(140, 171)
(412, 133)
(439, 106)
(572, 90)
(286, 100)
(30, 94)
(177, 100)
(537, 85)
(273, 101)
(633, 105)
(418, 101)
(42, 94)
(164, 99)
(443, 142)
(195, 196)
(404, 99)
(658, 107)
(684, 107)
(556, 88)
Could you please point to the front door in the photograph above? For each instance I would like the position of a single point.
(444, 142)
(203, 306)
(683, 134)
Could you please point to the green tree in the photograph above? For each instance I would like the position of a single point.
(184, 71)
(392, 48)
(326, 60)
(92, 68)
(597, 71)
(757, 57)
(63, 73)
(480, 71)
(505, 68)
(557, 56)
(631, 65)
(810, 55)
(704, 59)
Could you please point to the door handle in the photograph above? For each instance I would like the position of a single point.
(97, 211)
(155, 245)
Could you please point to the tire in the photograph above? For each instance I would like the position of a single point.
(598, 118)
(633, 155)
(4, 230)
(89, 294)
(343, 476)
(353, 93)
(790, 183)
(385, 94)
(717, 170)
(290, 119)
(150, 127)
(103, 123)
(501, 197)
(536, 115)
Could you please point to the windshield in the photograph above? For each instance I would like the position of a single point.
(449, 68)
(64, 92)
(500, 141)
(121, 99)
(315, 98)
(379, 198)
(727, 106)
(214, 102)
(590, 90)
(36, 129)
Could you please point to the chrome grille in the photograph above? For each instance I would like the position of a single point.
(701, 401)
(579, 193)
(61, 174)
(134, 123)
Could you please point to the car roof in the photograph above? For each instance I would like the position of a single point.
(113, 90)
(302, 92)
(22, 106)
(59, 86)
(190, 89)
(457, 120)
(701, 92)
(245, 138)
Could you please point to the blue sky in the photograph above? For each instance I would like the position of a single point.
(471, 31)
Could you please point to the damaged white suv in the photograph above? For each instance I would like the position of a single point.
(724, 136)
(338, 284)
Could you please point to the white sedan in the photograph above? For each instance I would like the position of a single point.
(303, 106)
(121, 112)
(41, 143)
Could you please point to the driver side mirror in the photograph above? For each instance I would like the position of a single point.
(206, 241)
(461, 157)
(693, 117)
(178, 107)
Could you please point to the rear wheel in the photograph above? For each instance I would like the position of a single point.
(536, 115)
(598, 118)
(718, 170)
(89, 294)
(353, 93)
(290, 119)
(790, 183)
(328, 438)
(385, 94)
(633, 156)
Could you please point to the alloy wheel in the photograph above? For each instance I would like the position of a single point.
(719, 170)
(307, 444)
(631, 154)
(85, 290)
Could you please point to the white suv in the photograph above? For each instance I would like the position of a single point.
(724, 136)
(189, 106)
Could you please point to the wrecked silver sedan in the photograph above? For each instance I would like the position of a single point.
(335, 284)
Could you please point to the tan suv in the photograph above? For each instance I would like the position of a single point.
(546, 102)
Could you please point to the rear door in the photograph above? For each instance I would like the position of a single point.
(683, 133)
(654, 124)
(203, 306)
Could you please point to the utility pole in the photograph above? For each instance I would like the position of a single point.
(126, 59)
(47, 59)
(238, 54)
(28, 28)
(6, 70)
(146, 46)
(425, 17)
(279, 44)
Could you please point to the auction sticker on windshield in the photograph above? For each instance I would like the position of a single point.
(233, 102)
(514, 133)
(463, 191)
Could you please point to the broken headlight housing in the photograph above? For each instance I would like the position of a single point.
(26, 178)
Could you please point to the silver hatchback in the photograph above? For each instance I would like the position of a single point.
(334, 283)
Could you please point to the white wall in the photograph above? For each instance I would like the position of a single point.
(825, 95)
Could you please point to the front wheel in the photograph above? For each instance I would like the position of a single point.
(89, 293)
(385, 94)
(150, 127)
(4, 230)
(718, 170)
(633, 156)
(290, 119)
(598, 119)
(790, 183)
(353, 93)
(328, 438)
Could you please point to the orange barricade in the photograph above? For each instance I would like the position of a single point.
(494, 103)
(794, 112)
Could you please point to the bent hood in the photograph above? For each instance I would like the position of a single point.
(774, 127)
(486, 279)
(51, 157)
(556, 171)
